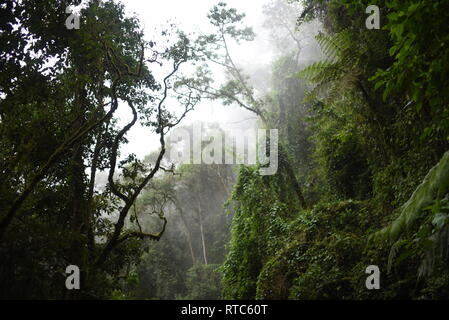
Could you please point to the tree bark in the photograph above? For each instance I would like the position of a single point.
(189, 237)
(203, 242)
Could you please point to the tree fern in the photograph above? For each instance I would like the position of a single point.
(338, 71)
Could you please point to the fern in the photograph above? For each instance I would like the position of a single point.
(338, 72)
(337, 46)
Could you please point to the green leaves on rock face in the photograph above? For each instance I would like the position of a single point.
(429, 206)
(434, 186)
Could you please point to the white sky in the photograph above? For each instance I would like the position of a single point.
(191, 16)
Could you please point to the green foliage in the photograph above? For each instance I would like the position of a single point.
(366, 144)
(434, 186)
(324, 249)
(59, 90)
(340, 154)
(203, 282)
(420, 66)
(428, 206)
(364, 135)
(258, 230)
(184, 263)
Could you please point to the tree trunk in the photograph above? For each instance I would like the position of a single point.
(79, 218)
(203, 243)
(189, 236)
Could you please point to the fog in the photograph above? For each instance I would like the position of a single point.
(254, 57)
(194, 199)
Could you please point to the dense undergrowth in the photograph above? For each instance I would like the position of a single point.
(363, 175)
(377, 119)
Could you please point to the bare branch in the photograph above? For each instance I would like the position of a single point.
(143, 235)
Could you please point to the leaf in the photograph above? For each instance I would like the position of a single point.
(439, 220)
(434, 186)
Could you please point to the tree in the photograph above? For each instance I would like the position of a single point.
(48, 198)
